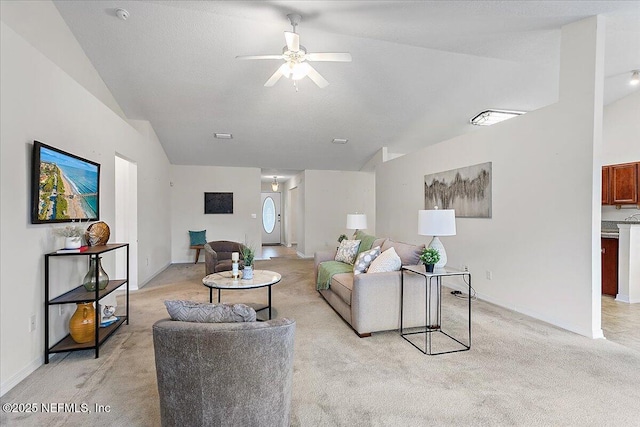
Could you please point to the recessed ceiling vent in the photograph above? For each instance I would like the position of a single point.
(223, 136)
(339, 141)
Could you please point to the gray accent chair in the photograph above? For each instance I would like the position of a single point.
(224, 374)
(217, 255)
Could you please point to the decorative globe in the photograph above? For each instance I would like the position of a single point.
(97, 234)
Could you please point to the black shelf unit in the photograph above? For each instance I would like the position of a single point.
(80, 294)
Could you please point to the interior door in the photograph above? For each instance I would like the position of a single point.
(271, 218)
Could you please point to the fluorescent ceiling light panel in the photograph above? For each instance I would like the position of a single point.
(339, 141)
(491, 117)
(223, 135)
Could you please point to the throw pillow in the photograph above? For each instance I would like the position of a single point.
(198, 237)
(408, 253)
(364, 260)
(347, 251)
(189, 311)
(386, 261)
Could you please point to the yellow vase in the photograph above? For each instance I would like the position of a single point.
(82, 325)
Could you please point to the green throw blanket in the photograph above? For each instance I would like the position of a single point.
(366, 241)
(327, 269)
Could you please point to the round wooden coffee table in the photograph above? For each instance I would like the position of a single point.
(224, 280)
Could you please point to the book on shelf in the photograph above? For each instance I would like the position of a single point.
(72, 251)
(108, 321)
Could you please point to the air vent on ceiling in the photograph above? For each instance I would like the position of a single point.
(339, 141)
(223, 136)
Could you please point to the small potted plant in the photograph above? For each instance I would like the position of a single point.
(429, 257)
(248, 254)
(72, 235)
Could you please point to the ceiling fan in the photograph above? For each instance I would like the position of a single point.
(297, 59)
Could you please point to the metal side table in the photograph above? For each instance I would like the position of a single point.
(433, 308)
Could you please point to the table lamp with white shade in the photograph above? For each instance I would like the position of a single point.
(437, 222)
(356, 222)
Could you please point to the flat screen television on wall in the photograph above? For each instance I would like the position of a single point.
(218, 203)
(64, 188)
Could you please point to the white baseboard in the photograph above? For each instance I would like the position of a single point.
(143, 283)
(21, 375)
(301, 255)
(595, 334)
(625, 298)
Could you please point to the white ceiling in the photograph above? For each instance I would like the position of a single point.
(420, 70)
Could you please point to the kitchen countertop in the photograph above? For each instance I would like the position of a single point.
(609, 229)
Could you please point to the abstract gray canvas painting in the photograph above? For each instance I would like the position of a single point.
(467, 190)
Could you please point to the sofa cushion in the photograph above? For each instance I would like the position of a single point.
(190, 311)
(365, 259)
(342, 285)
(386, 261)
(379, 242)
(409, 254)
(347, 251)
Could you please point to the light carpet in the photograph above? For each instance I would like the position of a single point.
(519, 371)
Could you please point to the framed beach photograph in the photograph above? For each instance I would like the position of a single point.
(65, 187)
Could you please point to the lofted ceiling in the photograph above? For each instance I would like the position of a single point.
(420, 70)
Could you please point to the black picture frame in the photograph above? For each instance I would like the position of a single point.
(218, 203)
(64, 187)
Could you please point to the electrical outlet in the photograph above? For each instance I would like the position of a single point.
(465, 267)
(32, 323)
(489, 274)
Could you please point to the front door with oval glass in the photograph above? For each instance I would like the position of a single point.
(271, 219)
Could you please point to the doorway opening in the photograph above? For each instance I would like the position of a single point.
(271, 218)
(126, 221)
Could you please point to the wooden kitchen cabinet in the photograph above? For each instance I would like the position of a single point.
(621, 184)
(606, 184)
(624, 184)
(609, 249)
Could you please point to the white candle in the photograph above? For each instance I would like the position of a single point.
(235, 256)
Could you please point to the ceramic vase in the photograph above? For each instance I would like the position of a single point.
(72, 242)
(82, 325)
(89, 281)
(247, 272)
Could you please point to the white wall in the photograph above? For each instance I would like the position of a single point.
(329, 197)
(42, 26)
(39, 101)
(187, 204)
(621, 143)
(543, 238)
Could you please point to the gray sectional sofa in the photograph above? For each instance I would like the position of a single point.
(370, 302)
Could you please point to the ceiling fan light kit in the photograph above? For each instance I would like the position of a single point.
(296, 57)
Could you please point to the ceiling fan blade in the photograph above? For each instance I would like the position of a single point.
(317, 78)
(335, 57)
(293, 41)
(260, 57)
(274, 78)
